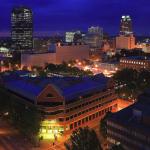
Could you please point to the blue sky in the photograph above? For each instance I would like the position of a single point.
(52, 16)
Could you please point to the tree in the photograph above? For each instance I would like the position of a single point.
(117, 147)
(103, 125)
(83, 139)
(23, 116)
(132, 82)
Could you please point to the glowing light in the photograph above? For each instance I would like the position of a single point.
(79, 63)
(50, 129)
(69, 65)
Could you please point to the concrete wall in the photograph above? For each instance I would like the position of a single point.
(125, 42)
(63, 53)
(37, 59)
(66, 53)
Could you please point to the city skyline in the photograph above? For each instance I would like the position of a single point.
(52, 17)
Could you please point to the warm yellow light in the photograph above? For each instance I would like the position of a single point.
(50, 129)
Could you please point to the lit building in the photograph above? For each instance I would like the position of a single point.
(95, 30)
(69, 37)
(126, 39)
(146, 48)
(126, 25)
(135, 62)
(94, 37)
(125, 42)
(41, 44)
(56, 55)
(74, 37)
(130, 127)
(145, 45)
(67, 102)
(21, 29)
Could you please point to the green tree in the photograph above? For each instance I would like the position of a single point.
(117, 147)
(103, 125)
(83, 139)
(23, 116)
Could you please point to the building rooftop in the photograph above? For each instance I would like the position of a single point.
(133, 117)
(69, 87)
(137, 58)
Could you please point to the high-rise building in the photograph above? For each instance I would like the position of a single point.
(74, 36)
(69, 37)
(126, 39)
(126, 25)
(95, 30)
(94, 37)
(21, 28)
(125, 42)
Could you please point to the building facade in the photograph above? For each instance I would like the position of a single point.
(130, 127)
(69, 37)
(21, 28)
(126, 25)
(67, 103)
(94, 37)
(57, 54)
(135, 62)
(125, 42)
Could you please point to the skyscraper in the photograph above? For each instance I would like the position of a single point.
(126, 39)
(126, 25)
(21, 29)
(94, 37)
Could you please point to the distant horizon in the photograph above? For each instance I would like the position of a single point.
(56, 33)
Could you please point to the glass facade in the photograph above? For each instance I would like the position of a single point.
(21, 29)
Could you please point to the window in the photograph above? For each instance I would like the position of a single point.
(90, 117)
(83, 121)
(75, 115)
(75, 124)
(71, 117)
(67, 118)
(97, 114)
(93, 116)
(86, 119)
(61, 119)
(49, 95)
(71, 126)
(79, 122)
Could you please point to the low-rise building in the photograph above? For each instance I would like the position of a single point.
(135, 62)
(57, 54)
(130, 127)
(67, 102)
(125, 42)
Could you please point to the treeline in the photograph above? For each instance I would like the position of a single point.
(67, 70)
(26, 118)
(130, 83)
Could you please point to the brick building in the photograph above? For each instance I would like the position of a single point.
(69, 102)
(135, 62)
(131, 126)
(56, 55)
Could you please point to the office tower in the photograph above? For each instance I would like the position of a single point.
(95, 30)
(126, 39)
(126, 25)
(94, 37)
(21, 29)
(69, 37)
(125, 42)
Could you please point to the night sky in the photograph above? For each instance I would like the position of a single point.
(52, 16)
